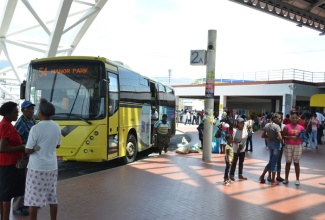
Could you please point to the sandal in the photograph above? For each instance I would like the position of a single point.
(262, 180)
(275, 183)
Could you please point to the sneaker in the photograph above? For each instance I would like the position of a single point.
(241, 177)
(280, 179)
(297, 182)
(226, 183)
(21, 212)
(269, 179)
(285, 181)
(232, 178)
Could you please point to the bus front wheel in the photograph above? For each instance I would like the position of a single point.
(131, 149)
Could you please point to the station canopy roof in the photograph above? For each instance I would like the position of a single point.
(305, 13)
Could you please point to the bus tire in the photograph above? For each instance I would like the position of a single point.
(131, 149)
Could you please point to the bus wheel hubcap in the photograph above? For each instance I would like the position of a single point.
(130, 149)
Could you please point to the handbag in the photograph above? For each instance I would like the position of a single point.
(218, 134)
(22, 163)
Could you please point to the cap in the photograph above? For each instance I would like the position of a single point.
(26, 104)
(240, 119)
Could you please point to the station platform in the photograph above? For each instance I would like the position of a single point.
(183, 186)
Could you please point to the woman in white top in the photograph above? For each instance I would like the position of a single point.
(42, 173)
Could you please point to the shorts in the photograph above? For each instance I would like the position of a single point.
(12, 182)
(41, 188)
(292, 152)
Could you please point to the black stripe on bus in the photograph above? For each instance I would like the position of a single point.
(131, 105)
(67, 130)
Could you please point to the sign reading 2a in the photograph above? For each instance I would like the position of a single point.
(198, 57)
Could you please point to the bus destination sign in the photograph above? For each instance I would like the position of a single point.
(43, 71)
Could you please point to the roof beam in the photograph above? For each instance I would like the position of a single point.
(6, 18)
(83, 29)
(32, 11)
(55, 38)
(320, 2)
(286, 11)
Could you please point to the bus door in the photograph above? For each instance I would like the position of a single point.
(161, 99)
(154, 107)
(113, 115)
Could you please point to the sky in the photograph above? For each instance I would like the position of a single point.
(154, 36)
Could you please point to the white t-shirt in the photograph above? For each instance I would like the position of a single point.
(240, 136)
(47, 135)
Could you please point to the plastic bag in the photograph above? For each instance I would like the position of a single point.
(195, 148)
(184, 147)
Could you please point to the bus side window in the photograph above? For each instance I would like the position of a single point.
(113, 94)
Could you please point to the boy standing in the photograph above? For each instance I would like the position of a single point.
(229, 156)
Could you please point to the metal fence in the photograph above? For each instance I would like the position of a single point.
(272, 75)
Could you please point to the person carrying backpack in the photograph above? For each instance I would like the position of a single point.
(200, 129)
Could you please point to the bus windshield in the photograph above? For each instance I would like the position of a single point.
(71, 86)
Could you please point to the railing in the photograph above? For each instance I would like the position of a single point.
(272, 75)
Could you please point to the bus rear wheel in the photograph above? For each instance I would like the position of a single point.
(131, 149)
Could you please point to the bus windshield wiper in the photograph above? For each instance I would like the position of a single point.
(77, 116)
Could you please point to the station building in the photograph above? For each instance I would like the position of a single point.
(259, 92)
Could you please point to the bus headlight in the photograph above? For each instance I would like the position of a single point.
(96, 133)
(91, 137)
(87, 142)
(85, 151)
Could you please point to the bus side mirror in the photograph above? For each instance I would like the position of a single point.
(103, 88)
(23, 90)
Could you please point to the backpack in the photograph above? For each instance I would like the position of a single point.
(218, 134)
(200, 128)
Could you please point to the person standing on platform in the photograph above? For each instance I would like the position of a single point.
(188, 117)
(286, 120)
(239, 143)
(292, 149)
(272, 132)
(162, 128)
(12, 179)
(314, 124)
(278, 172)
(42, 167)
(249, 141)
(23, 125)
(200, 129)
(229, 156)
(320, 117)
(194, 120)
(224, 131)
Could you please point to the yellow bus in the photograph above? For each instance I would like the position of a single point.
(103, 107)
